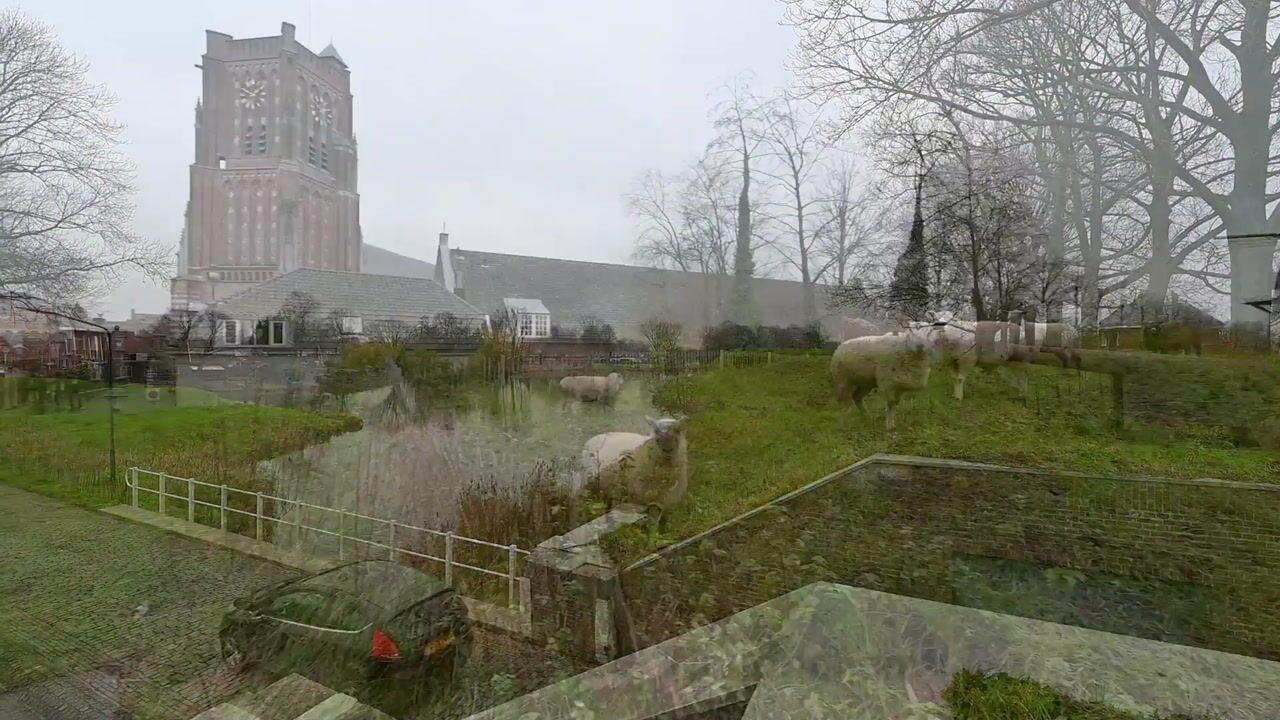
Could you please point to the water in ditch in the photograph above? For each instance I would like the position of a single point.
(413, 458)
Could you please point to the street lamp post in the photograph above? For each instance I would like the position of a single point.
(111, 398)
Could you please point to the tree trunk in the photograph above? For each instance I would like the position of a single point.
(810, 303)
(742, 304)
(1251, 258)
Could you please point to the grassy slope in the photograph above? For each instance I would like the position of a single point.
(759, 432)
(57, 454)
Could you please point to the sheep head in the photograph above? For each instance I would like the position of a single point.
(615, 381)
(666, 432)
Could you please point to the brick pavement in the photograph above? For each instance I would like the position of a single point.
(99, 611)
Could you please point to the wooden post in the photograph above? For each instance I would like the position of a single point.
(342, 523)
(448, 559)
(191, 500)
(1117, 400)
(222, 502)
(722, 359)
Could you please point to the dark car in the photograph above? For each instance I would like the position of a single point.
(369, 616)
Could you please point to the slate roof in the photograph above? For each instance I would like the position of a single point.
(622, 295)
(330, 51)
(371, 297)
(379, 261)
(531, 306)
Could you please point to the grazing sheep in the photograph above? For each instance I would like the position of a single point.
(986, 344)
(894, 364)
(1060, 339)
(589, 388)
(651, 470)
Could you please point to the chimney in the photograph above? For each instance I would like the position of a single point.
(286, 29)
(444, 265)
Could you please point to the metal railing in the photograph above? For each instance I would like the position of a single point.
(347, 534)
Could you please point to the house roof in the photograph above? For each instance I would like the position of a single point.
(138, 323)
(532, 306)
(622, 295)
(834, 651)
(380, 261)
(371, 297)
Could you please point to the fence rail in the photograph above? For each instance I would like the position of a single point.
(669, 362)
(347, 533)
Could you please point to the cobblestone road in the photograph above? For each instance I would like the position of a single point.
(98, 613)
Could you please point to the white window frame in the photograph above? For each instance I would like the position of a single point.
(541, 325)
(229, 325)
(352, 325)
(271, 332)
(526, 324)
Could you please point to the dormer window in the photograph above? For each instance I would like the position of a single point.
(533, 320)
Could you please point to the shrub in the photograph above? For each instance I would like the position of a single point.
(731, 336)
(597, 330)
(370, 356)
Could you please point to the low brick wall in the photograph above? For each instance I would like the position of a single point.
(1194, 562)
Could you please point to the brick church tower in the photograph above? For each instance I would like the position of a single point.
(273, 185)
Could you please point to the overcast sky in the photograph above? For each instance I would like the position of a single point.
(520, 124)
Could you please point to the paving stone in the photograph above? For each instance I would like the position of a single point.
(83, 593)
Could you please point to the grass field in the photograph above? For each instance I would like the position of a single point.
(65, 454)
(756, 433)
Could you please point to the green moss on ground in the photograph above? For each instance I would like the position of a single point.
(981, 696)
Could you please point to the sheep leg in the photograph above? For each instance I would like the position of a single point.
(959, 389)
(890, 419)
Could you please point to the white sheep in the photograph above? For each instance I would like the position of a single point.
(893, 364)
(987, 344)
(1031, 337)
(651, 470)
(589, 388)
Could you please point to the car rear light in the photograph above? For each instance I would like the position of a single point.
(384, 648)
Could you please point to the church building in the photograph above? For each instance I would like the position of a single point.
(273, 186)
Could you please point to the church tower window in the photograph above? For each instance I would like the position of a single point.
(262, 139)
(324, 156)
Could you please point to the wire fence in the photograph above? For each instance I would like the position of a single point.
(475, 567)
(672, 362)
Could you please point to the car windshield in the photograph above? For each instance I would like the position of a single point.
(709, 358)
(327, 608)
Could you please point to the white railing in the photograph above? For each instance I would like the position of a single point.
(346, 532)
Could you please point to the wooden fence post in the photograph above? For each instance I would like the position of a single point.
(1117, 400)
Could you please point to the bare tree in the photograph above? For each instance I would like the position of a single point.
(741, 120)
(664, 240)
(848, 220)
(796, 139)
(1188, 87)
(65, 188)
(392, 332)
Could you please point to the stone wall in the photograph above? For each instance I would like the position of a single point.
(1195, 562)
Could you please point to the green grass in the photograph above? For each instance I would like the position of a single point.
(756, 433)
(979, 696)
(65, 454)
